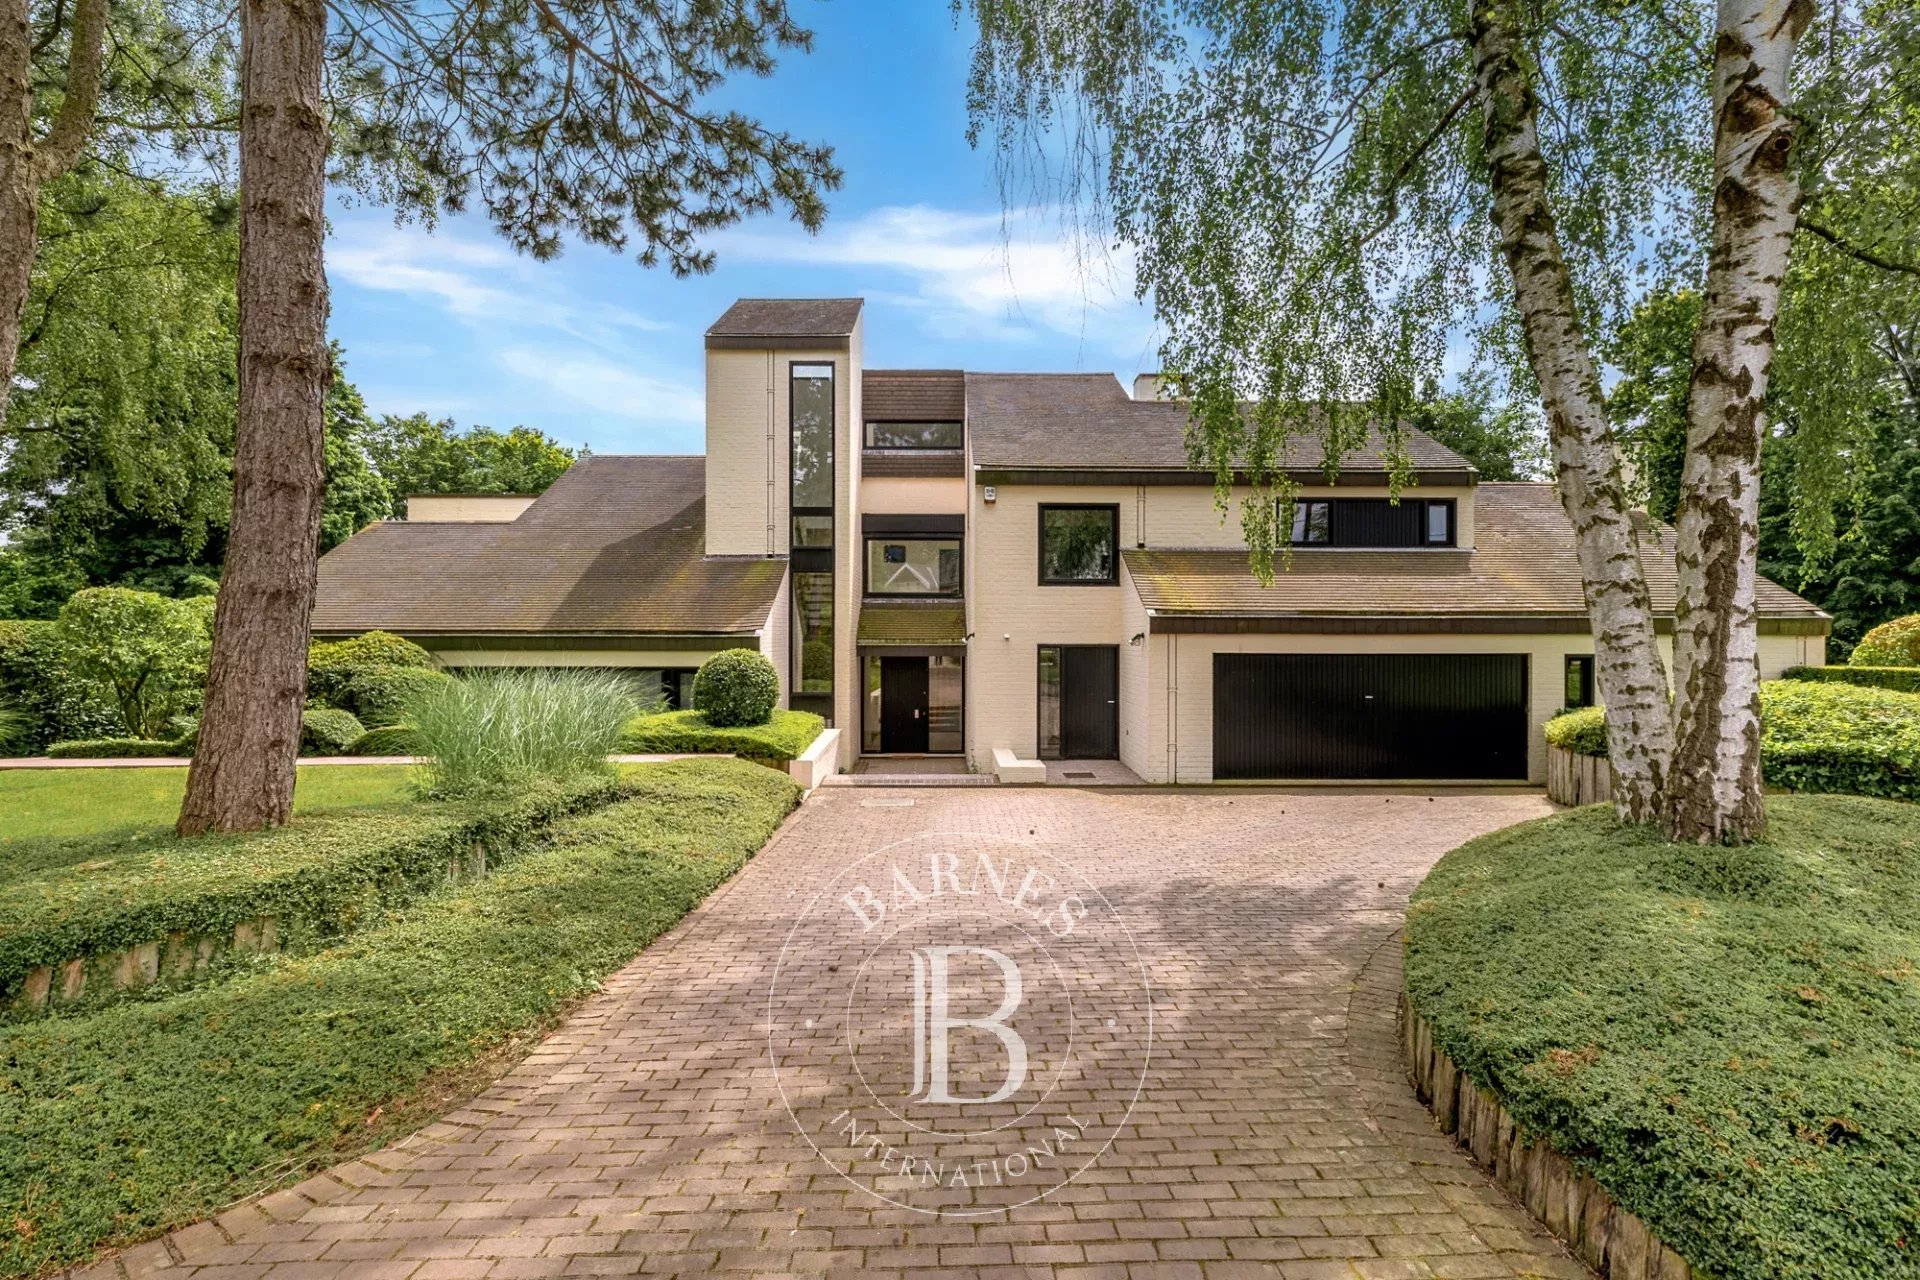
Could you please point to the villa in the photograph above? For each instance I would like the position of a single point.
(1009, 568)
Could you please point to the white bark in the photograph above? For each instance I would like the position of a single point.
(1627, 667)
(26, 165)
(1715, 790)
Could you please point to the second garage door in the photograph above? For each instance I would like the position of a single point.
(1365, 715)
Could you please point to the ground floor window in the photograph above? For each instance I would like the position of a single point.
(1579, 680)
(812, 676)
(668, 688)
(912, 704)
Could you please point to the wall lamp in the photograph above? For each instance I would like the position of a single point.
(1139, 638)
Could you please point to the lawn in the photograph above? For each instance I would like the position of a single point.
(120, 1123)
(69, 802)
(1727, 1039)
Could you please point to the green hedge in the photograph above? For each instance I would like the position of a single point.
(321, 877)
(125, 1122)
(325, 731)
(1725, 1038)
(1899, 679)
(1818, 735)
(393, 740)
(783, 738)
(34, 680)
(380, 696)
(119, 749)
(1891, 644)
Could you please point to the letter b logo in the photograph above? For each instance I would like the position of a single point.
(932, 1023)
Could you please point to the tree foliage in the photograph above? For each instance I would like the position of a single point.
(145, 652)
(418, 454)
(1501, 438)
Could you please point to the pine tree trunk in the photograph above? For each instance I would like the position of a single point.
(1631, 678)
(1715, 791)
(26, 165)
(243, 767)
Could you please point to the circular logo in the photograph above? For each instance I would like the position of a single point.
(959, 1024)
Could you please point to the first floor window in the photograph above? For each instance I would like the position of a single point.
(1079, 544)
(915, 435)
(1579, 691)
(1311, 523)
(913, 566)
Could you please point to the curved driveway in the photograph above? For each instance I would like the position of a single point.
(1275, 1135)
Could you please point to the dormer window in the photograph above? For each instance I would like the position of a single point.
(1373, 522)
(915, 435)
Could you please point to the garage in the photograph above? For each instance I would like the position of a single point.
(1370, 716)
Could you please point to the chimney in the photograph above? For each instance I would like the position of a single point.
(1151, 386)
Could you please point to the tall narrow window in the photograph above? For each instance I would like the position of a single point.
(810, 499)
(1579, 691)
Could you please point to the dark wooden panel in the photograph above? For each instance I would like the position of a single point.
(1089, 702)
(1370, 716)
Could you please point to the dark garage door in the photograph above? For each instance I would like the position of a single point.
(1363, 715)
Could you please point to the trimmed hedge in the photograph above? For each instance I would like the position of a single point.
(1891, 644)
(34, 680)
(120, 749)
(1900, 679)
(392, 740)
(783, 738)
(735, 688)
(320, 878)
(327, 732)
(1724, 1038)
(380, 696)
(373, 649)
(1819, 736)
(144, 1116)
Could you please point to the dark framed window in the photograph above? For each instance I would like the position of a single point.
(915, 435)
(810, 427)
(903, 566)
(1372, 522)
(1579, 680)
(1079, 544)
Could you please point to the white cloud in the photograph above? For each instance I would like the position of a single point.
(607, 386)
(989, 275)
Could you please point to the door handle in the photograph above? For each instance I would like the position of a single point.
(916, 713)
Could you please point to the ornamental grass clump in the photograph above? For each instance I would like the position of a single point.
(504, 729)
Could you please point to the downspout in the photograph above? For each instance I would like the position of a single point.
(1173, 705)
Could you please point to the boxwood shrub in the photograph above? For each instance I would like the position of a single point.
(1903, 679)
(379, 696)
(325, 731)
(1822, 736)
(390, 740)
(737, 687)
(1891, 644)
(783, 738)
(119, 749)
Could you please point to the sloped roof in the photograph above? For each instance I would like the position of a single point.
(615, 547)
(1523, 564)
(913, 395)
(756, 320)
(1087, 421)
(912, 623)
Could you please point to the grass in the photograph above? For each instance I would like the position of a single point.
(502, 728)
(39, 803)
(122, 1123)
(1727, 1039)
(785, 737)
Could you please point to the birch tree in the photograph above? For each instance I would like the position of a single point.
(1320, 190)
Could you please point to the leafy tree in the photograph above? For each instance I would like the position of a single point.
(1319, 189)
(357, 495)
(561, 116)
(145, 652)
(1502, 440)
(422, 455)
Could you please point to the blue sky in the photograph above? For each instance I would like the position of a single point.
(598, 351)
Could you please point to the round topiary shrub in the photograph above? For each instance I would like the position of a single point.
(327, 732)
(1891, 644)
(737, 687)
(371, 649)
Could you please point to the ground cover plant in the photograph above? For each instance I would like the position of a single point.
(317, 879)
(784, 736)
(40, 803)
(497, 729)
(1727, 1038)
(1826, 736)
(120, 1123)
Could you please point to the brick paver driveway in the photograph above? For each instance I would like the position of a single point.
(1274, 1135)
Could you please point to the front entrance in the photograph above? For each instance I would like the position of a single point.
(1079, 702)
(903, 704)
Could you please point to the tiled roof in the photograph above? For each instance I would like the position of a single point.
(616, 546)
(913, 395)
(1087, 421)
(787, 318)
(914, 623)
(1523, 564)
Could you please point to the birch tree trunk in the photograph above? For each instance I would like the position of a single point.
(1715, 791)
(27, 165)
(1627, 667)
(243, 766)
